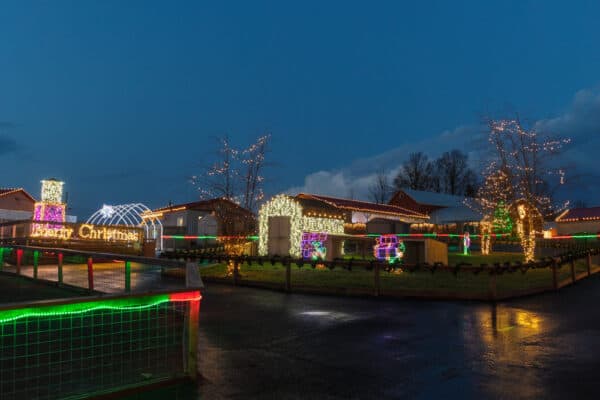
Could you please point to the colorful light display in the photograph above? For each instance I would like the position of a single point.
(51, 208)
(389, 248)
(52, 191)
(313, 246)
(131, 304)
(86, 232)
(466, 243)
(49, 212)
(486, 238)
(286, 206)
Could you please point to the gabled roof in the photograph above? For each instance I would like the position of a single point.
(434, 199)
(580, 214)
(363, 206)
(9, 191)
(453, 215)
(202, 205)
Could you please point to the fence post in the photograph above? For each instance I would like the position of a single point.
(493, 287)
(192, 356)
(236, 272)
(90, 272)
(589, 263)
(554, 276)
(128, 276)
(573, 278)
(60, 268)
(376, 279)
(19, 260)
(288, 276)
(36, 256)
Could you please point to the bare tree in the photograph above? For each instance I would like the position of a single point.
(236, 175)
(379, 191)
(416, 173)
(254, 161)
(219, 178)
(454, 174)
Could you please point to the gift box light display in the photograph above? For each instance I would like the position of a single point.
(51, 208)
(313, 245)
(389, 248)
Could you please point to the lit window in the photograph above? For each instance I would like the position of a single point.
(179, 221)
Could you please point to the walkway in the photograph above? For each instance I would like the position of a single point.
(262, 344)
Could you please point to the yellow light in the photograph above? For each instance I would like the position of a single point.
(286, 206)
(52, 191)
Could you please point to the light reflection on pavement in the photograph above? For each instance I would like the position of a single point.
(262, 344)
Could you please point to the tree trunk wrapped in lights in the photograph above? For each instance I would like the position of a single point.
(485, 230)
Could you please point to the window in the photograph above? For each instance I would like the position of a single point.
(179, 221)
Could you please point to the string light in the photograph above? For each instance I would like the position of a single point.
(517, 175)
(466, 244)
(52, 191)
(286, 206)
(389, 248)
(130, 304)
(313, 245)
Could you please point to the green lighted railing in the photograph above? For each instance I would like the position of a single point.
(89, 347)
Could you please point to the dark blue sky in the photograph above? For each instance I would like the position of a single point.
(121, 98)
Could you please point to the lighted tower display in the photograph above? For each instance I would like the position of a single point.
(51, 208)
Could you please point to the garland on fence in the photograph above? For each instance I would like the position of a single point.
(350, 264)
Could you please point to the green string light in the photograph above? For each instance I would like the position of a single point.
(132, 304)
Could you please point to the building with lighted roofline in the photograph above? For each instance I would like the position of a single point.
(578, 221)
(213, 217)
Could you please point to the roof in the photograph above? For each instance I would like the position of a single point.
(7, 191)
(451, 215)
(435, 199)
(580, 214)
(202, 205)
(364, 206)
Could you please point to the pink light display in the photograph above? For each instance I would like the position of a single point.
(389, 248)
(313, 245)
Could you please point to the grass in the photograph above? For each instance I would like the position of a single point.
(418, 282)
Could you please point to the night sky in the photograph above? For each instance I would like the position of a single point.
(122, 99)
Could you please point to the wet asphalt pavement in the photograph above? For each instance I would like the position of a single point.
(262, 344)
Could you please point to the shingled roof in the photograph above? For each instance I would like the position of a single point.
(8, 191)
(208, 205)
(363, 206)
(580, 214)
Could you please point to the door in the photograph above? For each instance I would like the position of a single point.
(279, 236)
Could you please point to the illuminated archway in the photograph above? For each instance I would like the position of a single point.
(130, 215)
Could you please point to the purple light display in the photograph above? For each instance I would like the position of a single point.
(389, 248)
(313, 245)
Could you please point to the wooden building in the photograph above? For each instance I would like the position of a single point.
(579, 221)
(447, 213)
(214, 217)
(284, 220)
(15, 205)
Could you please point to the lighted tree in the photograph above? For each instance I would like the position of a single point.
(235, 174)
(502, 222)
(518, 175)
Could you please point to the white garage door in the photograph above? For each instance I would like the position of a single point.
(279, 236)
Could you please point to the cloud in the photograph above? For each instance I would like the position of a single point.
(580, 121)
(355, 179)
(7, 145)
